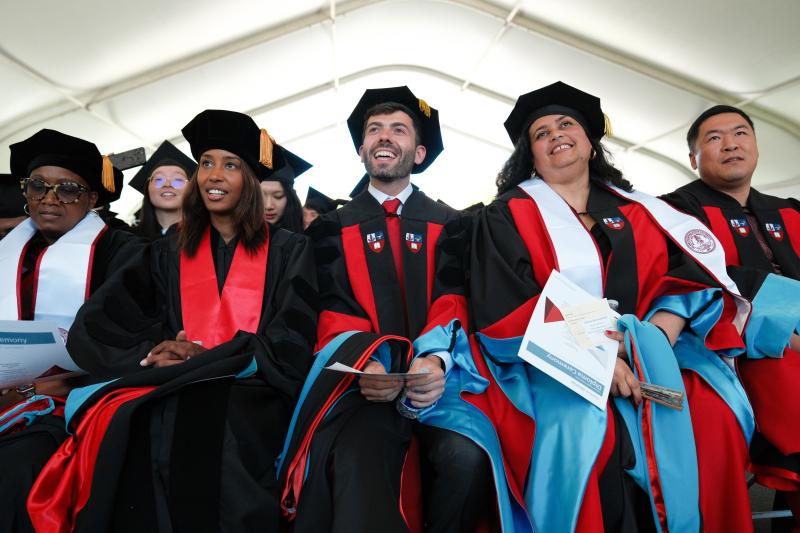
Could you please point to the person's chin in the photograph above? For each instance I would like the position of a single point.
(167, 203)
(385, 175)
(219, 208)
(52, 231)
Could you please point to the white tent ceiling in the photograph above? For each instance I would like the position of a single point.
(126, 74)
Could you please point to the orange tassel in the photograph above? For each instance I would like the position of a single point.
(265, 149)
(608, 130)
(425, 108)
(107, 177)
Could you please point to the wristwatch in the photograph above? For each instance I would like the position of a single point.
(27, 390)
(405, 410)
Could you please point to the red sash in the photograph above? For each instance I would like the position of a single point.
(212, 319)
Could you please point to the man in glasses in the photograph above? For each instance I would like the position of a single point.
(49, 264)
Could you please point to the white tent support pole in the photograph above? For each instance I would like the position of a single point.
(355, 76)
(628, 62)
(497, 36)
(519, 20)
(72, 101)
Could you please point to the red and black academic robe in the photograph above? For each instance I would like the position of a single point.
(360, 292)
(512, 257)
(189, 447)
(24, 449)
(761, 243)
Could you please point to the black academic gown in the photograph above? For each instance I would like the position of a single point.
(508, 273)
(23, 453)
(360, 291)
(202, 445)
(769, 382)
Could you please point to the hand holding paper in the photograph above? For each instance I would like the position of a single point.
(31, 351)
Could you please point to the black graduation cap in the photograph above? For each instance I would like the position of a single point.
(320, 203)
(237, 133)
(361, 186)
(294, 166)
(50, 147)
(12, 201)
(166, 155)
(558, 98)
(428, 118)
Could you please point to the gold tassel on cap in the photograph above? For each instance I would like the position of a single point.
(608, 130)
(107, 177)
(265, 149)
(425, 108)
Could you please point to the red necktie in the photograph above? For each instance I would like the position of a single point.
(393, 226)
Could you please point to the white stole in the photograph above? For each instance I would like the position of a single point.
(690, 235)
(577, 256)
(572, 242)
(63, 277)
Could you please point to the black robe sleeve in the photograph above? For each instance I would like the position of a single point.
(501, 271)
(336, 293)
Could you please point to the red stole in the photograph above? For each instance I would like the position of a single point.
(214, 319)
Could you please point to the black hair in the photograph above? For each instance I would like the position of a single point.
(519, 166)
(292, 218)
(147, 225)
(387, 108)
(694, 129)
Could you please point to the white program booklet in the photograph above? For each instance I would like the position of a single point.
(32, 351)
(566, 339)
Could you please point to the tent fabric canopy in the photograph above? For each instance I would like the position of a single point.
(126, 74)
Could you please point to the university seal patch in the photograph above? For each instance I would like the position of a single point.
(699, 241)
(375, 241)
(776, 230)
(614, 222)
(414, 242)
(740, 226)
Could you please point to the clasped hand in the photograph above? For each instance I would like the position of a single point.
(423, 390)
(169, 353)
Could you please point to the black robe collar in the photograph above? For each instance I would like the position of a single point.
(418, 211)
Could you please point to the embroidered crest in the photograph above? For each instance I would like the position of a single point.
(699, 241)
(375, 241)
(614, 222)
(776, 230)
(414, 242)
(740, 226)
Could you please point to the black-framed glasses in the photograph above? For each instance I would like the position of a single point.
(176, 181)
(67, 192)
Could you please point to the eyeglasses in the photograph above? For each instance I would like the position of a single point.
(67, 192)
(176, 181)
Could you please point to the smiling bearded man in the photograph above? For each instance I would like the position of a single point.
(391, 270)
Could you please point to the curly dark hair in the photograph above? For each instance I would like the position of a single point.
(248, 216)
(519, 166)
